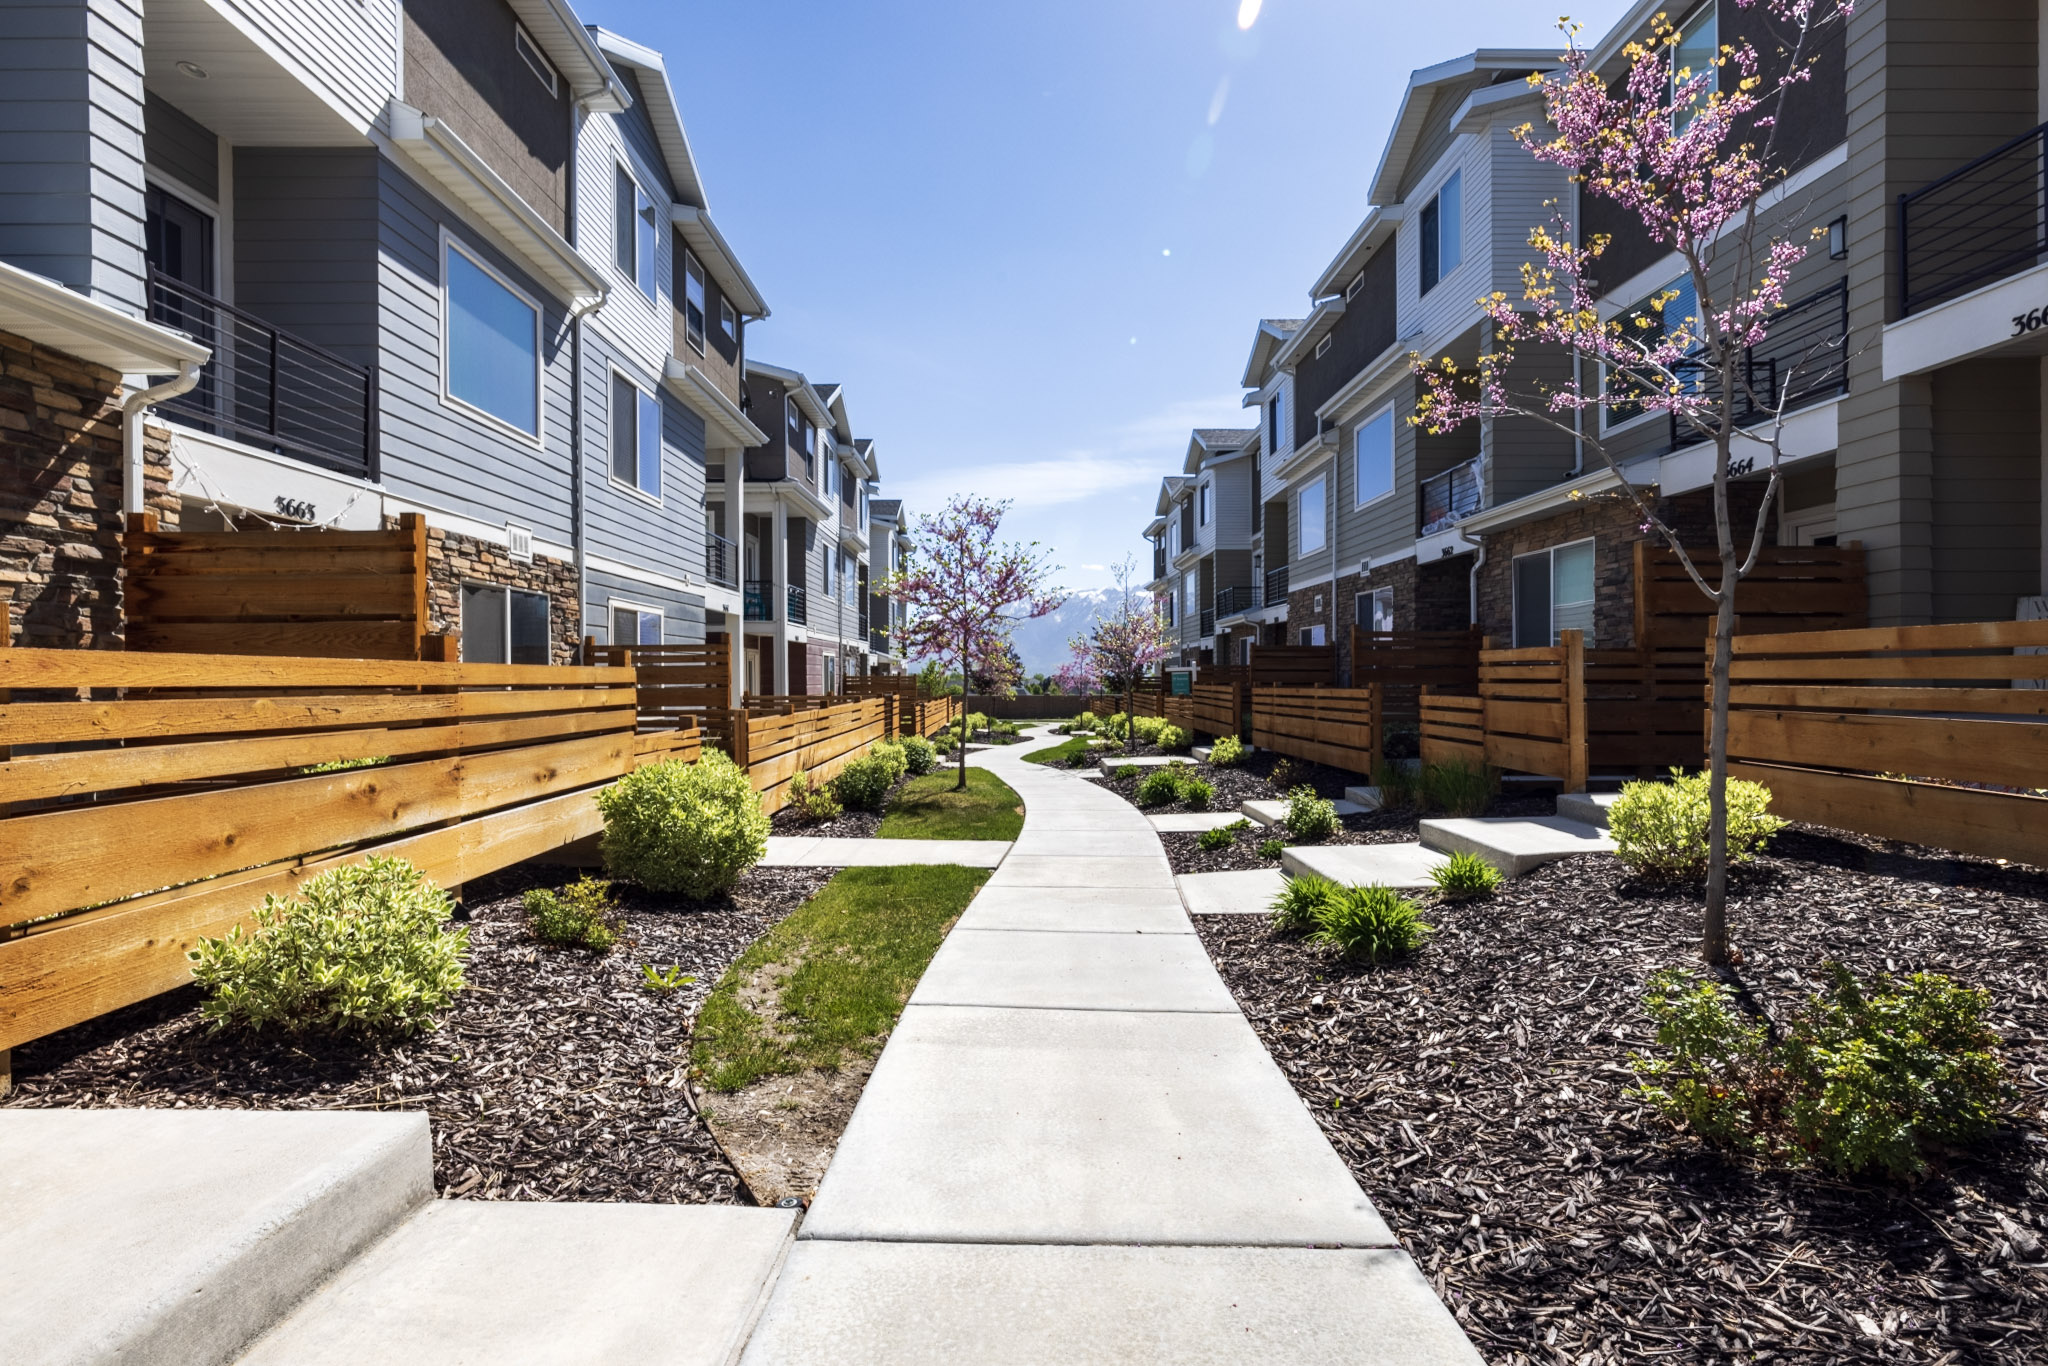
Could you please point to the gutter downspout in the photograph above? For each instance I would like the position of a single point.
(132, 499)
(736, 523)
(1478, 562)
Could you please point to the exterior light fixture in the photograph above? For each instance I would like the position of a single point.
(193, 69)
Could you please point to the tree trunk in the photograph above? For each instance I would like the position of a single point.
(1714, 946)
(961, 785)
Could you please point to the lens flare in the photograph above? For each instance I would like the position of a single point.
(1218, 100)
(1248, 12)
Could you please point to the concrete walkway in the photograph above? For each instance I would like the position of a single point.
(819, 851)
(1074, 1148)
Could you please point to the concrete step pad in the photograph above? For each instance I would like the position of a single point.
(1273, 810)
(1368, 798)
(1085, 1126)
(1515, 845)
(921, 1304)
(1356, 865)
(491, 1283)
(1055, 970)
(181, 1235)
(1248, 891)
(1587, 808)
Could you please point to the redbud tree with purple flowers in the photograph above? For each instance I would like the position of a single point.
(1119, 649)
(1692, 154)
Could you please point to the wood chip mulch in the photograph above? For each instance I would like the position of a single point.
(556, 1076)
(1480, 1091)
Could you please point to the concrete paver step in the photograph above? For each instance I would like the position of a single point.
(1189, 822)
(1243, 892)
(1587, 808)
(1367, 798)
(1515, 845)
(502, 1283)
(180, 1235)
(1273, 810)
(1390, 865)
(884, 1304)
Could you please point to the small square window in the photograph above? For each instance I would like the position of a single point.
(1321, 347)
(635, 625)
(728, 320)
(529, 52)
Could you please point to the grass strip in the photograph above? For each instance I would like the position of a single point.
(929, 809)
(827, 983)
(1062, 753)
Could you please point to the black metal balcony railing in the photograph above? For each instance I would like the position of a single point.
(1158, 562)
(757, 600)
(799, 605)
(878, 641)
(1208, 622)
(1232, 602)
(1276, 584)
(1980, 222)
(1803, 359)
(1451, 496)
(721, 561)
(270, 389)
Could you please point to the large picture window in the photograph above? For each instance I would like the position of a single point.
(1311, 514)
(503, 625)
(1554, 592)
(636, 436)
(1442, 232)
(1373, 456)
(492, 360)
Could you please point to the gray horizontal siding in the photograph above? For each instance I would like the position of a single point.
(306, 234)
(682, 614)
(621, 525)
(180, 146)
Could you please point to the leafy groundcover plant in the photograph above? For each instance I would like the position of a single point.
(363, 950)
(1309, 817)
(1866, 1078)
(1661, 828)
(688, 829)
(1227, 752)
(1370, 924)
(1467, 875)
(580, 916)
(1222, 837)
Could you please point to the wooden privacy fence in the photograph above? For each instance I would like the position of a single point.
(679, 685)
(169, 793)
(1335, 726)
(1933, 734)
(1530, 714)
(1402, 663)
(314, 592)
(1288, 666)
(1179, 711)
(1218, 708)
(818, 741)
(932, 715)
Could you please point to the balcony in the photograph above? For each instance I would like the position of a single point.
(722, 561)
(1235, 602)
(799, 605)
(270, 389)
(1158, 562)
(1276, 585)
(1979, 223)
(1450, 497)
(1208, 622)
(878, 641)
(1803, 359)
(757, 600)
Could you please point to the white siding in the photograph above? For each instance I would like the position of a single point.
(640, 327)
(346, 50)
(1447, 309)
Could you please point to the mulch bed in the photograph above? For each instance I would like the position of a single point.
(556, 1076)
(1480, 1089)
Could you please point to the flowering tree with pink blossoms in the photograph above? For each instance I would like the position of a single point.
(1076, 676)
(1690, 153)
(966, 590)
(1120, 647)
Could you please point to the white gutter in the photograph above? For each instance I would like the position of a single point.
(132, 500)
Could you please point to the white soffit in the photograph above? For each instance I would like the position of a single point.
(42, 311)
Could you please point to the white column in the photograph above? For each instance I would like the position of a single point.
(777, 553)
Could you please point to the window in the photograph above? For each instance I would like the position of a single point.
(829, 473)
(1190, 606)
(1373, 456)
(1309, 515)
(728, 320)
(1669, 312)
(633, 625)
(1244, 652)
(1553, 593)
(1357, 283)
(1166, 608)
(1311, 635)
(1321, 347)
(807, 439)
(634, 223)
(1443, 232)
(796, 425)
(1374, 611)
(1699, 47)
(831, 673)
(1173, 537)
(529, 52)
(1202, 505)
(493, 344)
(503, 625)
(693, 300)
(636, 436)
(1276, 422)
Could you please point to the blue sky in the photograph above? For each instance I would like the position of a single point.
(1033, 239)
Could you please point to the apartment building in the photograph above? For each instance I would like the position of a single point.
(888, 550)
(450, 258)
(1213, 505)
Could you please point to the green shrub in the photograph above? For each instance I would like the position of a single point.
(1301, 901)
(1115, 726)
(1467, 875)
(1371, 923)
(1148, 729)
(1160, 786)
(1284, 777)
(364, 949)
(919, 757)
(343, 765)
(1864, 1079)
(1661, 828)
(1222, 837)
(1173, 739)
(1123, 771)
(945, 742)
(1227, 752)
(1397, 785)
(812, 800)
(1271, 848)
(1084, 724)
(977, 720)
(580, 916)
(1457, 788)
(1309, 817)
(690, 829)
(864, 784)
(1196, 792)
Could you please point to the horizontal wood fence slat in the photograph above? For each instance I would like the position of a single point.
(1529, 714)
(1335, 726)
(817, 741)
(1218, 709)
(1402, 663)
(679, 685)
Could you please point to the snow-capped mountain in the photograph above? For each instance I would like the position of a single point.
(1042, 644)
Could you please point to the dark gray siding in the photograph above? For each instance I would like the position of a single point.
(1436, 136)
(180, 146)
(432, 451)
(1528, 454)
(1362, 331)
(306, 234)
(621, 524)
(1987, 488)
(71, 145)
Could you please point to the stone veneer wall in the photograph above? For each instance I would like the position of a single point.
(60, 496)
(454, 559)
(1614, 524)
